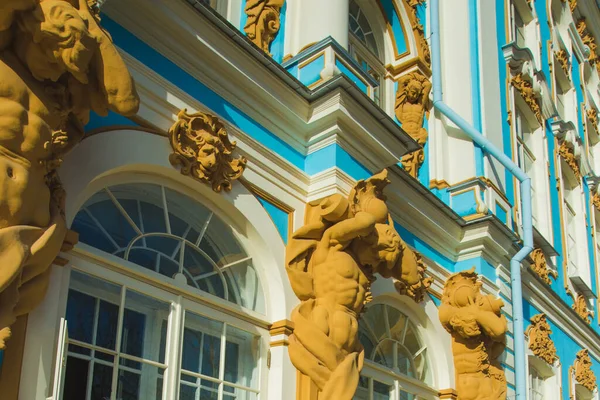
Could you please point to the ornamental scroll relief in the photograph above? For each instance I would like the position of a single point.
(263, 21)
(540, 266)
(567, 152)
(478, 331)
(331, 262)
(540, 342)
(412, 108)
(56, 65)
(201, 147)
(581, 308)
(582, 370)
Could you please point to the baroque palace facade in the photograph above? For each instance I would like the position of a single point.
(299, 199)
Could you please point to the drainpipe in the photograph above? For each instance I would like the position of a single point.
(525, 184)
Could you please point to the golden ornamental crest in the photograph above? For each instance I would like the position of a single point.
(201, 147)
(583, 370)
(540, 266)
(540, 342)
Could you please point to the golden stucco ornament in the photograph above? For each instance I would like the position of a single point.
(417, 291)
(567, 152)
(525, 89)
(263, 21)
(478, 331)
(412, 108)
(563, 59)
(540, 342)
(540, 266)
(56, 64)
(331, 262)
(582, 370)
(580, 306)
(201, 147)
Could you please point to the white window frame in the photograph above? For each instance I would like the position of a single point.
(551, 377)
(95, 263)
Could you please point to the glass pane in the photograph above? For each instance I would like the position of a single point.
(102, 381)
(230, 393)
(244, 286)
(220, 243)
(198, 389)
(381, 391)
(139, 383)
(362, 391)
(84, 309)
(76, 379)
(108, 215)
(201, 351)
(242, 354)
(142, 326)
(384, 354)
(406, 396)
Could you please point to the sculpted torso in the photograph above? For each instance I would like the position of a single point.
(25, 137)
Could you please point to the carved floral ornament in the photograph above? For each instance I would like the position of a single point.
(582, 371)
(263, 21)
(201, 147)
(570, 152)
(56, 65)
(331, 262)
(525, 89)
(572, 4)
(581, 308)
(540, 342)
(540, 266)
(592, 116)
(590, 42)
(478, 331)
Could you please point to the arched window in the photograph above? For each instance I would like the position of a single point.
(166, 232)
(363, 47)
(396, 359)
(169, 335)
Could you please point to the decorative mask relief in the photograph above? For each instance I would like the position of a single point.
(582, 370)
(525, 88)
(56, 64)
(263, 21)
(202, 149)
(540, 342)
(412, 107)
(540, 266)
(478, 331)
(581, 308)
(331, 262)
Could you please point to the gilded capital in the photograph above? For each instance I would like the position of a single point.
(478, 331)
(540, 342)
(540, 266)
(56, 65)
(263, 21)
(331, 262)
(412, 108)
(202, 149)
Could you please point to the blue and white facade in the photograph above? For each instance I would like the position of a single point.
(312, 117)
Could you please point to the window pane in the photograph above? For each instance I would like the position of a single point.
(242, 354)
(142, 325)
(201, 351)
(381, 391)
(76, 379)
(102, 381)
(230, 393)
(139, 383)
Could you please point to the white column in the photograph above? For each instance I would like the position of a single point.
(311, 21)
(42, 337)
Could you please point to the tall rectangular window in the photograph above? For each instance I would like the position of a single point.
(526, 156)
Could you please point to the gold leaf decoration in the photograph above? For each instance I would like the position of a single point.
(263, 21)
(525, 88)
(596, 201)
(589, 41)
(418, 290)
(581, 308)
(592, 116)
(540, 266)
(201, 147)
(419, 30)
(540, 342)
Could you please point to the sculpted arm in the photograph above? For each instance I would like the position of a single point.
(343, 232)
(493, 325)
